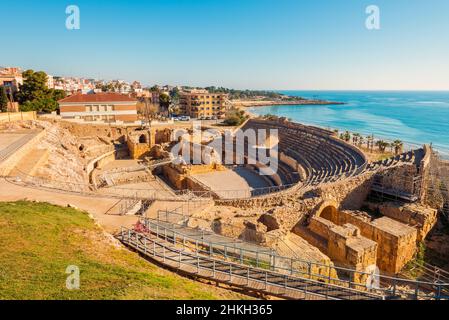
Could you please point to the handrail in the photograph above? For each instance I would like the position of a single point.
(234, 269)
(395, 283)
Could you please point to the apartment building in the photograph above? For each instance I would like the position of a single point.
(11, 79)
(106, 107)
(201, 104)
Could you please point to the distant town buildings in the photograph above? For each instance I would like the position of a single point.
(86, 101)
(103, 106)
(199, 103)
(11, 79)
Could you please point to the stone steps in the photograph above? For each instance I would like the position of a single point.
(31, 162)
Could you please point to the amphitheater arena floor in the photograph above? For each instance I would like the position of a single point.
(239, 178)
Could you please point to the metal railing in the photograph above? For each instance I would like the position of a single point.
(245, 253)
(172, 253)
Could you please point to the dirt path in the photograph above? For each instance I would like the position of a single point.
(95, 205)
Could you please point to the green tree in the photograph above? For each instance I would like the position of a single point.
(235, 117)
(34, 95)
(355, 138)
(164, 100)
(345, 136)
(3, 100)
(34, 86)
(398, 145)
(382, 145)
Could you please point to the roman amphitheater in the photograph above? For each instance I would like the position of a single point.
(327, 224)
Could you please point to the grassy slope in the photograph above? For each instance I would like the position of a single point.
(38, 241)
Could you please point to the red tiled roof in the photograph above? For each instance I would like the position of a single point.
(97, 97)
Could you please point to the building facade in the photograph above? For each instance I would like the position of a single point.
(11, 79)
(106, 107)
(203, 105)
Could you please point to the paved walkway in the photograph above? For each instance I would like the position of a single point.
(10, 142)
(95, 205)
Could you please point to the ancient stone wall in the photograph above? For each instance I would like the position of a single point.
(345, 245)
(396, 241)
(400, 178)
(114, 132)
(422, 217)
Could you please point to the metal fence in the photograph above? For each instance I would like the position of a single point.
(229, 249)
(174, 253)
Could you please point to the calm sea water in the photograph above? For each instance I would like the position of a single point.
(413, 117)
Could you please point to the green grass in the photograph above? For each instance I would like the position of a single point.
(39, 240)
(413, 267)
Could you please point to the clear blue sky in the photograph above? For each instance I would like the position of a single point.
(264, 44)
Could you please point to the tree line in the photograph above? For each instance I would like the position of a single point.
(34, 94)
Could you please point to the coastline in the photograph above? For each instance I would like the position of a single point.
(267, 103)
(407, 145)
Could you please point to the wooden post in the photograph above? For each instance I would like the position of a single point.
(213, 269)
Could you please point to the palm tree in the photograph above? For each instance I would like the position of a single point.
(355, 138)
(361, 140)
(382, 145)
(398, 144)
(347, 136)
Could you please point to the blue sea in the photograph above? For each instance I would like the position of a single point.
(415, 118)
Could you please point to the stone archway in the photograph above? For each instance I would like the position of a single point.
(327, 209)
(143, 138)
